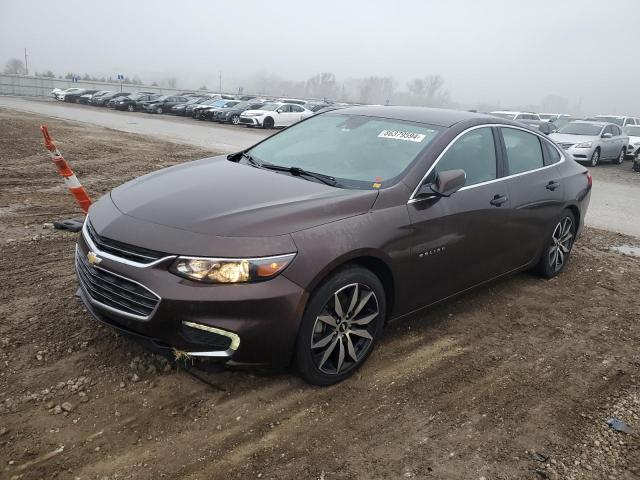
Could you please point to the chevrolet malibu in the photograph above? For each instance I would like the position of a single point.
(300, 249)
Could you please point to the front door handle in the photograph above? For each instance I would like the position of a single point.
(499, 200)
(552, 185)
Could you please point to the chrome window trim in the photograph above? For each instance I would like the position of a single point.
(114, 258)
(413, 199)
(99, 304)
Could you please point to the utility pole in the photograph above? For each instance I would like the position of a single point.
(26, 65)
(220, 86)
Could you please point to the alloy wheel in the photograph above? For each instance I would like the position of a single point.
(235, 120)
(343, 332)
(595, 158)
(621, 157)
(131, 108)
(561, 242)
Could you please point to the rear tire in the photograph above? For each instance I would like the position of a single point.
(559, 243)
(340, 326)
(595, 158)
(620, 159)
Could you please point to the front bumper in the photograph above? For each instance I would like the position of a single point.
(255, 121)
(200, 319)
(632, 151)
(579, 154)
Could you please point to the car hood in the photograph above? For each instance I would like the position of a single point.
(633, 139)
(566, 138)
(215, 196)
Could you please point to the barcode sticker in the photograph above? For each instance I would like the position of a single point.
(400, 135)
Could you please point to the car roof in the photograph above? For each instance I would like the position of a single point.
(611, 116)
(433, 116)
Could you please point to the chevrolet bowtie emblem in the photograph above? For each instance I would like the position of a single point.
(93, 259)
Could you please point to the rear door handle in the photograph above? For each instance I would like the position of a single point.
(499, 200)
(552, 185)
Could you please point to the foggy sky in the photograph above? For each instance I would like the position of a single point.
(510, 52)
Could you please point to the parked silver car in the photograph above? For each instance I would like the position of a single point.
(592, 141)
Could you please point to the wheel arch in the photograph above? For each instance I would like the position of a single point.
(372, 261)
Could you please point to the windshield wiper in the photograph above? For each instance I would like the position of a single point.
(301, 172)
(252, 161)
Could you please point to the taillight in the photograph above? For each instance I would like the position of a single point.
(589, 178)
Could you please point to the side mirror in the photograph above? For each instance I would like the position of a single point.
(607, 135)
(447, 183)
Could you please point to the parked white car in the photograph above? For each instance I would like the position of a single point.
(61, 93)
(276, 114)
(620, 120)
(633, 149)
(517, 116)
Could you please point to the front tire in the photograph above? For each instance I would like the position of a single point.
(341, 325)
(159, 110)
(558, 248)
(268, 123)
(595, 158)
(235, 119)
(131, 107)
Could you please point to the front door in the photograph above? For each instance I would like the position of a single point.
(460, 241)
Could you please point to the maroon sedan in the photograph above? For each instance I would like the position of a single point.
(300, 248)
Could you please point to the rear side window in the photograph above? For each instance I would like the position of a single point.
(553, 155)
(297, 108)
(475, 153)
(524, 152)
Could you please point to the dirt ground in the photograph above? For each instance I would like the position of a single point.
(512, 381)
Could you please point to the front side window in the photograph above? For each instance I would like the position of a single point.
(359, 151)
(475, 153)
(524, 152)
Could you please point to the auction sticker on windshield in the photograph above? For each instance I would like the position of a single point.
(400, 135)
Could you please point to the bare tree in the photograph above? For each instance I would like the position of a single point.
(322, 85)
(203, 87)
(428, 91)
(375, 89)
(15, 66)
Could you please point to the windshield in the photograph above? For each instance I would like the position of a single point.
(632, 130)
(617, 120)
(162, 97)
(574, 128)
(360, 152)
(270, 106)
(548, 116)
(231, 104)
(508, 116)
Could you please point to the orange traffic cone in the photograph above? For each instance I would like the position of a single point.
(78, 191)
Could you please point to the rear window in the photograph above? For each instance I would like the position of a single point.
(524, 152)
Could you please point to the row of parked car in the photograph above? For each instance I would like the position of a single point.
(589, 140)
(222, 108)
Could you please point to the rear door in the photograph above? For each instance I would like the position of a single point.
(460, 241)
(535, 192)
(609, 145)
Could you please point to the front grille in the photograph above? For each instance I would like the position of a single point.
(246, 120)
(115, 291)
(123, 250)
(567, 145)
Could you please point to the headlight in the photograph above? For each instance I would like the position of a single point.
(584, 145)
(231, 270)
